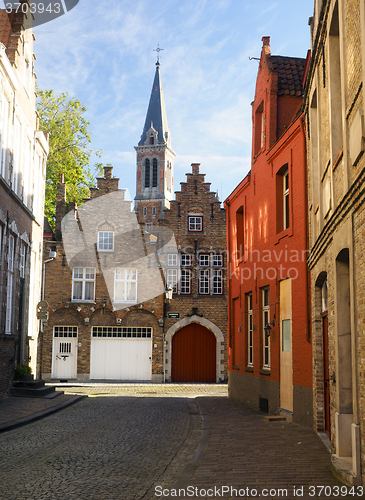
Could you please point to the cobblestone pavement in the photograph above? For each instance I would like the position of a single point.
(149, 390)
(103, 447)
(149, 441)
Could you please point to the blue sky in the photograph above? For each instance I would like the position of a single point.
(102, 53)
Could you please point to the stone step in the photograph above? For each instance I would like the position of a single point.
(40, 392)
(31, 384)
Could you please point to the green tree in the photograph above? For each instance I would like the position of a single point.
(69, 151)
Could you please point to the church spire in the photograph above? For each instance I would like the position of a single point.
(155, 126)
(155, 158)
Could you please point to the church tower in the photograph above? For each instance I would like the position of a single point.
(155, 159)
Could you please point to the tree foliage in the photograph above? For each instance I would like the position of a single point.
(69, 152)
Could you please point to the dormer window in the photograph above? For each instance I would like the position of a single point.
(152, 139)
(105, 241)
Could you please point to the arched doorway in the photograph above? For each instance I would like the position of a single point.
(193, 355)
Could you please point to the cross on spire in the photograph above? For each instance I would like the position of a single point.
(158, 50)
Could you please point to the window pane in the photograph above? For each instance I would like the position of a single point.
(286, 335)
(89, 290)
(131, 291)
(77, 290)
(119, 291)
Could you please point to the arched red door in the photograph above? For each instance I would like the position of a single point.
(193, 355)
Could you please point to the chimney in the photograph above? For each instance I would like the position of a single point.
(266, 44)
(195, 167)
(108, 172)
(60, 206)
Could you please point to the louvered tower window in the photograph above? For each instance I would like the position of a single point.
(154, 172)
(147, 173)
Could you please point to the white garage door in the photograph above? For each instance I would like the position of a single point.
(121, 353)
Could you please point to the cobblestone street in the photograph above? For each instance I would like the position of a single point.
(104, 447)
(147, 441)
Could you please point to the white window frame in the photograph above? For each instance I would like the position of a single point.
(22, 260)
(204, 281)
(217, 260)
(65, 332)
(185, 282)
(172, 259)
(204, 260)
(266, 358)
(127, 281)
(195, 223)
(286, 210)
(172, 279)
(104, 244)
(9, 286)
(217, 281)
(249, 330)
(144, 212)
(153, 211)
(185, 260)
(84, 279)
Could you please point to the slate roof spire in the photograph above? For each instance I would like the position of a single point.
(156, 113)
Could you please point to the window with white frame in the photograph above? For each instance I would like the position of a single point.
(265, 297)
(68, 332)
(204, 281)
(125, 285)
(144, 211)
(185, 281)
(185, 260)
(286, 200)
(172, 279)
(249, 330)
(172, 259)
(9, 286)
(217, 260)
(195, 223)
(153, 211)
(105, 241)
(83, 284)
(217, 278)
(204, 260)
(22, 260)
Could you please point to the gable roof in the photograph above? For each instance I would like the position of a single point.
(290, 74)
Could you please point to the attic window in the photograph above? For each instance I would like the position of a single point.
(152, 139)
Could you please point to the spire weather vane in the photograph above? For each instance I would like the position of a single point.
(158, 50)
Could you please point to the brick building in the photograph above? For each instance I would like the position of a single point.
(196, 322)
(269, 340)
(23, 153)
(334, 109)
(109, 320)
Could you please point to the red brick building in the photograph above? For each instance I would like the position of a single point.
(270, 348)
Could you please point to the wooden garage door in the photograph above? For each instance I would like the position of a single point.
(193, 355)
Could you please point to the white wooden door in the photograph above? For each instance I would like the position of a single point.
(64, 358)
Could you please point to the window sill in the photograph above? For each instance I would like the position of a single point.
(265, 371)
(80, 301)
(249, 369)
(235, 367)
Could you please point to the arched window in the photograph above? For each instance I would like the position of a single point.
(147, 173)
(154, 172)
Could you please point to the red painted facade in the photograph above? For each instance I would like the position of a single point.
(267, 243)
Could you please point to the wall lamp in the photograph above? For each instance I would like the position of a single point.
(267, 328)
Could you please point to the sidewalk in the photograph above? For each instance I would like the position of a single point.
(17, 411)
(243, 455)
